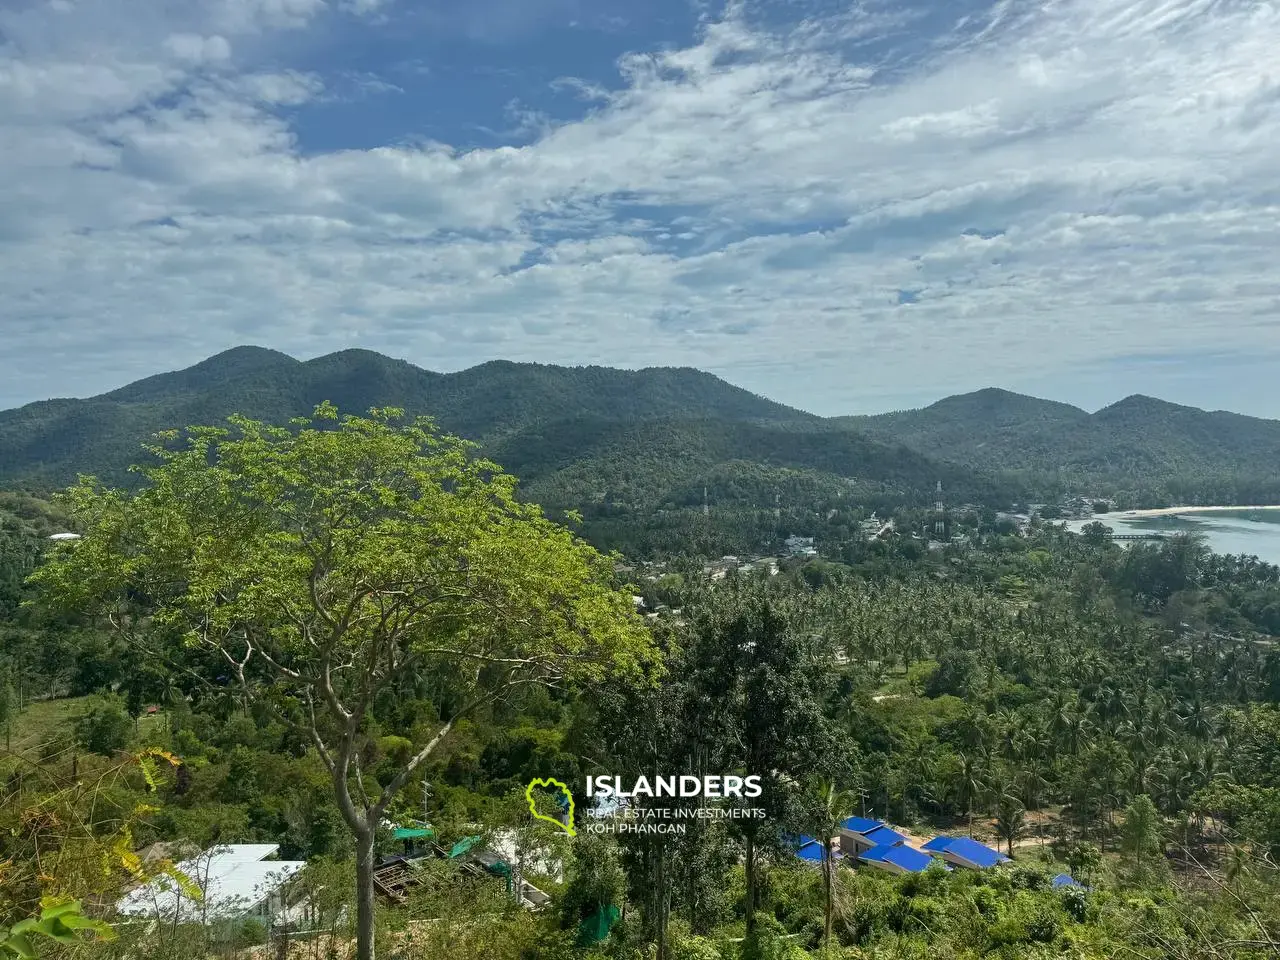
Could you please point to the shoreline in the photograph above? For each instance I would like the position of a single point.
(1174, 511)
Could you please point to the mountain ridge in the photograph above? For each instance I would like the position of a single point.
(544, 422)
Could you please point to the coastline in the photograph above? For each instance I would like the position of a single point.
(1174, 511)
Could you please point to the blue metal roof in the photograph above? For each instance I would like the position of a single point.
(971, 851)
(938, 844)
(811, 851)
(1063, 880)
(913, 861)
(885, 834)
(861, 825)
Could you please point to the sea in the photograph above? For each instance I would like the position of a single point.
(1251, 532)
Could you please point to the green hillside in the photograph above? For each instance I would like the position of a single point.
(1139, 442)
(626, 444)
(47, 443)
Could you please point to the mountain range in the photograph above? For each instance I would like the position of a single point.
(659, 439)
(1138, 442)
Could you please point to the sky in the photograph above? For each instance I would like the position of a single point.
(848, 207)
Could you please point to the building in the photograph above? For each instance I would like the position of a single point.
(238, 882)
(964, 852)
(810, 850)
(897, 859)
(858, 834)
(800, 546)
(1064, 880)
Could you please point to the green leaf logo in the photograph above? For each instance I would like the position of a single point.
(550, 784)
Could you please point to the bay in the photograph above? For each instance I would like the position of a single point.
(1225, 530)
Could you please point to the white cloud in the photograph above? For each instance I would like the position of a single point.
(1050, 186)
(195, 49)
(365, 8)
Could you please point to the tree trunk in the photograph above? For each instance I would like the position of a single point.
(364, 893)
(663, 900)
(751, 883)
(826, 884)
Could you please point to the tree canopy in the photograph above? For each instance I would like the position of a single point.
(323, 567)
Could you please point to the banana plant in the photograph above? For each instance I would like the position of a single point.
(63, 922)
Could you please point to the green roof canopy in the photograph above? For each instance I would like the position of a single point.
(597, 926)
(412, 833)
(462, 846)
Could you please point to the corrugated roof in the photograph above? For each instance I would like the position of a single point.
(885, 834)
(861, 825)
(811, 851)
(971, 851)
(905, 858)
(938, 844)
(234, 878)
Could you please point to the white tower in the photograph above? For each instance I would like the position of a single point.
(940, 522)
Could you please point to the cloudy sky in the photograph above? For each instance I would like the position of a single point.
(847, 206)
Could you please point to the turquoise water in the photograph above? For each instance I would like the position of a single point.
(1256, 533)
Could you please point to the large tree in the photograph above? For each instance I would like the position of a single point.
(763, 680)
(316, 566)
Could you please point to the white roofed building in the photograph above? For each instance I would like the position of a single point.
(238, 882)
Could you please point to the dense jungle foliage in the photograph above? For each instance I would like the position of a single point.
(1112, 713)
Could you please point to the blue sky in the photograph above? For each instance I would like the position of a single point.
(848, 207)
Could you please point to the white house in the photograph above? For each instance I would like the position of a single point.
(800, 546)
(238, 882)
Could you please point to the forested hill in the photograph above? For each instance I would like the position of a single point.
(630, 443)
(634, 451)
(47, 443)
(1138, 442)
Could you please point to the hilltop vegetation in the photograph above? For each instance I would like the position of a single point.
(634, 451)
(1037, 696)
(1108, 712)
(1138, 444)
(629, 449)
(49, 442)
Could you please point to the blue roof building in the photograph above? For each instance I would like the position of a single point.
(859, 833)
(810, 852)
(862, 825)
(885, 834)
(1065, 880)
(896, 859)
(965, 852)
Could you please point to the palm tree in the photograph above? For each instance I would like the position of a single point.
(1010, 817)
(970, 786)
(833, 807)
(1239, 864)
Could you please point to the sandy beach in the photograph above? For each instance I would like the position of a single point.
(1172, 511)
